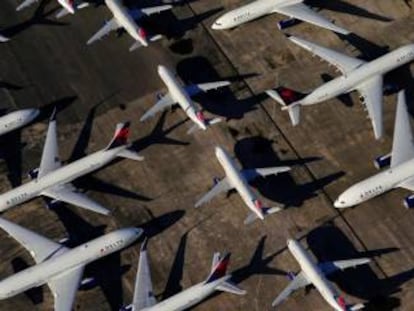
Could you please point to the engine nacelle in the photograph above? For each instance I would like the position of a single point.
(409, 201)
(382, 161)
(390, 88)
(87, 283)
(33, 173)
(286, 23)
(126, 308)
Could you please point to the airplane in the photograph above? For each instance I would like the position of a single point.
(67, 5)
(17, 119)
(400, 161)
(57, 266)
(126, 19)
(53, 180)
(357, 75)
(180, 95)
(315, 274)
(296, 10)
(239, 179)
(217, 280)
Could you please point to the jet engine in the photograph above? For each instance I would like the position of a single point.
(87, 283)
(409, 201)
(286, 23)
(382, 161)
(33, 173)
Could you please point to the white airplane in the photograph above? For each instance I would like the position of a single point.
(236, 179)
(400, 161)
(144, 299)
(126, 18)
(17, 119)
(314, 273)
(177, 94)
(295, 9)
(68, 5)
(357, 75)
(54, 181)
(59, 267)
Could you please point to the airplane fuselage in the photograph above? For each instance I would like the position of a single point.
(62, 261)
(188, 297)
(314, 274)
(347, 83)
(180, 96)
(249, 12)
(376, 185)
(17, 119)
(124, 19)
(237, 180)
(57, 177)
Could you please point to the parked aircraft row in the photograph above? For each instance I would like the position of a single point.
(62, 268)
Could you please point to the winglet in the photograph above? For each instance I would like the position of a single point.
(53, 115)
(144, 245)
(120, 136)
(220, 269)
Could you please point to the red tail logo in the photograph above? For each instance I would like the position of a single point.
(142, 33)
(341, 302)
(258, 204)
(122, 135)
(200, 116)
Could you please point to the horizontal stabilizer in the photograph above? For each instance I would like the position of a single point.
(138, 44)
(231, 288)
(129, 154)
(294, 113)
(196, 127)
(3, 39)
(356, 307)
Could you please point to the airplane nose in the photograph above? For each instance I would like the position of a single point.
(339, 203)
(218, 24)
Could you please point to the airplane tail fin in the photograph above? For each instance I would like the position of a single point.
(120, 136)
(219, 267)
(289, 100)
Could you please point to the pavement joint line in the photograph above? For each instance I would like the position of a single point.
(289, 143)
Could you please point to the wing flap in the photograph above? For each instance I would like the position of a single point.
(371, 92)
(341, 61)
(163, 103)
(298, 282)
(69, 195)
(64, 288)
(222, 186)
(403, 143)
(304, 13)
(39, 247)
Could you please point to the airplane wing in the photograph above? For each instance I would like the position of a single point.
(25, 4)
(222, 186)
(39, 247)
(251, 174)
(298, 282)
(64, 287)
(163, 103)
(333, 266)
(156, 9)
(304, 13)
(403, 143)
(68, 194)
(143, 293)
(343, 62)
(195, 89)
(105, 30)
(371, 91)
(50, 156)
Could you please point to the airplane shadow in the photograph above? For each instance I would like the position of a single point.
(221, 102)
(40, 17)
(256, 152)
(329, 243)
(345, 7)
